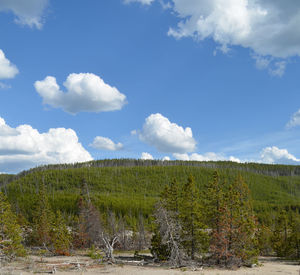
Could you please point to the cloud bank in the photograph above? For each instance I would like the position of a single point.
(86, 92)
(103, 143)
(274, 155)
(24, 147)
(27, 12)
(167, 137)
(268, 28)
(210, 156)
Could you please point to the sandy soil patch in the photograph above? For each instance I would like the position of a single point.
(84, 265)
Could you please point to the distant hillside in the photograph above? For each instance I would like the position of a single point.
(132, 186)
(265, 169)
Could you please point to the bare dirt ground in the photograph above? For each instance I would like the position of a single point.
(85, 265)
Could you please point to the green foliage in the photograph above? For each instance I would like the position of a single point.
(60, 236)
(194, 237)
(286, 235)
(130, 188)
(10, 232)
(234, 234)
(42, 219)
(159, 249)
(95, 253)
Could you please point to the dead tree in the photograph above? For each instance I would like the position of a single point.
(170, 230)
(109, 246)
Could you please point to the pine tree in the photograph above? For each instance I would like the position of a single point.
(243, 222)
(234, 237)
(158, 249)
(213, 200)
(294, 238)
(61, 236)
(194, 235)
(10, 232)
(286, 235)
(42, 219)
(280, 234)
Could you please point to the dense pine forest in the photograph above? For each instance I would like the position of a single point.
(126, 203)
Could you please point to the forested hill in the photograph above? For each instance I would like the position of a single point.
(131, 187)
(265, 169)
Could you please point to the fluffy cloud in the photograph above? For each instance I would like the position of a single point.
(167, 137)
(103, 143)
(27, 12)
(166, 158)
(210, 156)
(294, 121)
(146, 156)
(24, 147)
(85, 92)
(144, 2)
(7, 69)
(268, 28)
(275, 155)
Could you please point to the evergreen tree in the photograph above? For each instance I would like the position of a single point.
(213, 200)
(294, 238)
(286, 235)
(280, 234)
(158, 249)
(10, 232)
(61, 236)
(234, 238)
(42, 219)
(194, 237)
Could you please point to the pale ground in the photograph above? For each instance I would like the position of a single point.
(68, 266)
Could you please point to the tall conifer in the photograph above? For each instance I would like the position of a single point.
(194, 236)
(10, 232)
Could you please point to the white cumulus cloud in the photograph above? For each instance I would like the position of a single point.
(269, 28)
(210, 156)
(146, 156)
(278, 156)
(7, 69)
(86, 92)
(24, 147)
(103, 143)
(167, 137)
(294, 121)
(28, 12)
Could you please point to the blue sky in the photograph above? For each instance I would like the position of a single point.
(177, 79)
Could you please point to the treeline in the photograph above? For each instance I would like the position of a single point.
(206, 220)
(134, 190)
(274, 170)
(51, 231)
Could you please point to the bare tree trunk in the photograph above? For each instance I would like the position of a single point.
(109, 247)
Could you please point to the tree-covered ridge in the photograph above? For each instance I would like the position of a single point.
(259, 168)
(101, 205)
(134, 189)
